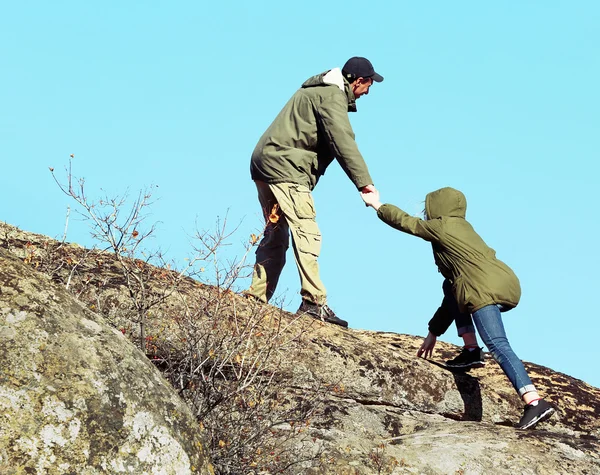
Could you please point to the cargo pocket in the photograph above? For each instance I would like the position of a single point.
(304, 205)
(308, 238)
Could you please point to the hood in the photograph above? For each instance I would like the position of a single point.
(445, 202)
(333, 77)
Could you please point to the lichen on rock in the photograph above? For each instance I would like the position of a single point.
(76, 396)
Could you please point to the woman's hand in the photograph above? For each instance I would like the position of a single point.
(370, 196)
(426, 349)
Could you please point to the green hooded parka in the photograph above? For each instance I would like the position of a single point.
(478, 278)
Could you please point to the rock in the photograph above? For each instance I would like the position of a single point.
(390, 412)
(382, 409)
(76, 396)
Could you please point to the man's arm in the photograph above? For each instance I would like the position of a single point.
(333, 116)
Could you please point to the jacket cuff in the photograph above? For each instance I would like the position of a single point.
(381, 209)
(435, 331)
(362, 181)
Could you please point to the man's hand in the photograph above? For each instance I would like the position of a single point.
(370, 196)
(368, 189)
(426, 349)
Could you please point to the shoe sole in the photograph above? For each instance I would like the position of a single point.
(335, 323)
(541, 418)
(321, 319)
(477, 364)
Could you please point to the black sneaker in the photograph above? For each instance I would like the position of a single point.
(467, 359)
(320, 312)
(535, 414)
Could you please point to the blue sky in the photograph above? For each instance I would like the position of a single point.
(497, 99)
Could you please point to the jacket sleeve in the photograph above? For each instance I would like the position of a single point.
(442, 319)
(396, 218)
(333, 118)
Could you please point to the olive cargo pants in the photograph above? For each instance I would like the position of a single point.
(287, 207)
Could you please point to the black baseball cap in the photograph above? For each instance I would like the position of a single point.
(358, 66)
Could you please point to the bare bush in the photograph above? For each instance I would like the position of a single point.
(119, 227)
(229, 357)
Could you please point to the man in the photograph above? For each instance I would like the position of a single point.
(310, 132)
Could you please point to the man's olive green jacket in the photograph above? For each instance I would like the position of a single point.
(478, 278)
(310, 131)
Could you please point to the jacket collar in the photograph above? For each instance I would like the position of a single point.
(334, 77)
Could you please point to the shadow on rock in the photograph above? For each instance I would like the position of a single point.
(469, 389)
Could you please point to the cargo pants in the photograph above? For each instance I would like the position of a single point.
(287, 207)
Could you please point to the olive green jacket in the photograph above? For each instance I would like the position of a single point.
(478, 278)
(310, 131)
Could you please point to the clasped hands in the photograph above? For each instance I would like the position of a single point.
(370, 196)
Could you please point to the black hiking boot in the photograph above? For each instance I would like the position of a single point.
(467, 359)
(253, 297)
(320, 312)
(533, 415)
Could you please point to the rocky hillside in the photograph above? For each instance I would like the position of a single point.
(76, 396)
(378, 408)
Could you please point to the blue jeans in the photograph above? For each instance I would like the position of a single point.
(488, 321)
